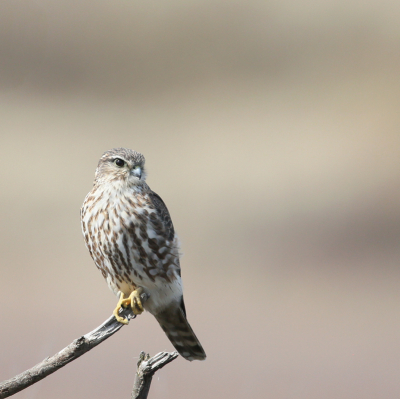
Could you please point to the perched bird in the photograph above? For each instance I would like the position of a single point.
(130, 236)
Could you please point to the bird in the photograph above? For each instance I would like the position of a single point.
(130, 236)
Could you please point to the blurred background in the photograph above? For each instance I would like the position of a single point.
(271, 131)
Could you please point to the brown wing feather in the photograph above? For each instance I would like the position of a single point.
(163, 214)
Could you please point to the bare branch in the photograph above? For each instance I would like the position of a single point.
(74, 350)
(146, 368)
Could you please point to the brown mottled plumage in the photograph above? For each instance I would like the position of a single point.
(131, 238)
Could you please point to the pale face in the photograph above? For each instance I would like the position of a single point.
(121, 165)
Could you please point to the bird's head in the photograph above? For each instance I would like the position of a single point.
(121, 165)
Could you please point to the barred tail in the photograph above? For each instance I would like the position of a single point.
(174, 323)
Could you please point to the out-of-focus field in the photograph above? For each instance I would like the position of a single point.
(272, 132)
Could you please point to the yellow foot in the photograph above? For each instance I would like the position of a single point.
(133, 301)
(119, 306)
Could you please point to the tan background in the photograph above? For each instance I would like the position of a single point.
(271, 130)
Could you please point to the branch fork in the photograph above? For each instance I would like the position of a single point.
(146, 367)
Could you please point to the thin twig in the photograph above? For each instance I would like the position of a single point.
(146, 368)
(74, 350)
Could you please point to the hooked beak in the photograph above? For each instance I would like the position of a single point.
(137, 172)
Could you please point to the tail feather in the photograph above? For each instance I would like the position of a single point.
(175, 325)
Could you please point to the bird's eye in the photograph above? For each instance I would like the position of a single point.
(119, 162)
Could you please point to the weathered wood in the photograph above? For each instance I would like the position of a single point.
(146, 368)
(74, 350)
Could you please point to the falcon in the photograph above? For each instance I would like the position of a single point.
(130, 236)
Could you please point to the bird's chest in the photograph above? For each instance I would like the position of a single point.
(121, 237)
